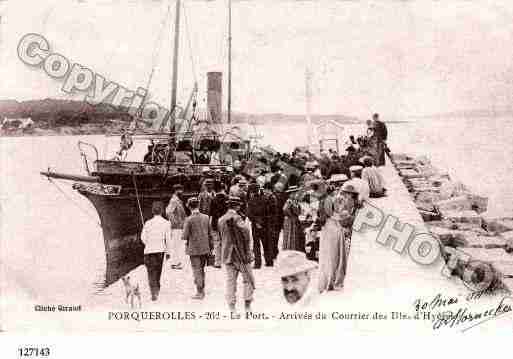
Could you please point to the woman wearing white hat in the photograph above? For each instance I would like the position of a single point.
(335, 238)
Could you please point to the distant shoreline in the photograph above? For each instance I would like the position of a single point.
(97, 129)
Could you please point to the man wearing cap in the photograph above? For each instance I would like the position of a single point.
(236, 254)
(176, 214)
(373, 177)
(198, 244)
(296, 276)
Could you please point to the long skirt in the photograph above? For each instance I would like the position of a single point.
(333, 248)
(293, 235)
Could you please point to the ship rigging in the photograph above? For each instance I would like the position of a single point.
(179, 152)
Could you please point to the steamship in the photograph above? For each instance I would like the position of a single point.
(122, 192)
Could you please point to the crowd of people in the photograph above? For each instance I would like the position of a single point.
(239, 225)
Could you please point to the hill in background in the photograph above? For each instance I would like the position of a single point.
(79, 117)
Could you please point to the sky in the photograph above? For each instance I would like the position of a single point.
(398, 58)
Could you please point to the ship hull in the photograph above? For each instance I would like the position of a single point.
(121, 224)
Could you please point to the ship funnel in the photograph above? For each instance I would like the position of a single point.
(214, 96)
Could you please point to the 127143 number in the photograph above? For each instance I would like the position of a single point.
(33, 352)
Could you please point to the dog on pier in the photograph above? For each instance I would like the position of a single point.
(133, 294)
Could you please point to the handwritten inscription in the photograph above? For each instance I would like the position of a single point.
(465, 316)
(436, 303)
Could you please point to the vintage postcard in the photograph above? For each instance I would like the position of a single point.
(277, 167)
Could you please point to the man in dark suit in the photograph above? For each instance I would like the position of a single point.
(236, 253)
(273, 215)
(218, 208)
(381, 133)
(198, 238)
(380, 127)
(257, 216)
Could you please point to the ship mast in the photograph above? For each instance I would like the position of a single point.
(312, 135)
(229, 61)
(175, 70)
(308, 98)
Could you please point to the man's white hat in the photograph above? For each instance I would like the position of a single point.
(365, 158)
(350, 186)
(355, 168)
(261, 180)
(340, 177)
(293, 262)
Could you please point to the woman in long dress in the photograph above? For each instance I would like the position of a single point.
(293, 236)
(336, 211)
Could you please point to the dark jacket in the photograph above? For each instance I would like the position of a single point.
(325, 165)
(281, 198)
(272, 212)
(197, 234)
(257, 209)
(381, 130)
(228, 241)
(218, 208)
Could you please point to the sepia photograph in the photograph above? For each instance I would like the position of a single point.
(280, 167)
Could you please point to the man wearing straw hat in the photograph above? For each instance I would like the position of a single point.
(295, 272)
(236, 253)
(337, 180)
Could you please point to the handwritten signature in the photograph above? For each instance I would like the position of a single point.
(464, 315)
